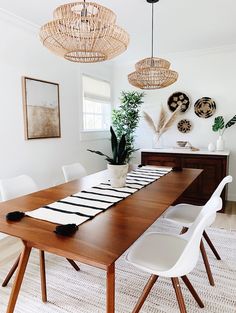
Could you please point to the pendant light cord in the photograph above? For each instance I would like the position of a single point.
(84, 11)
(152, 30)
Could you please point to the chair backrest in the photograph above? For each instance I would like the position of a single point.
(17, 186)
(219, 189)
(190, 254)
(73, 171)
(217, 193)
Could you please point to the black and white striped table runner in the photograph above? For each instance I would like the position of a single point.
(86, 204)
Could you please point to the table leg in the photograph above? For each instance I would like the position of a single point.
(111, 289)
(19, 278)
(11, 272)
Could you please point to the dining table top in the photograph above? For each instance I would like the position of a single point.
(101, 241)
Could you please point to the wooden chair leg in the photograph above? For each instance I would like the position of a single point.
(11, 272)
(179, 296)
(145, 293)
(208, 240)
(184, 230)
(207, 265)
(76, 267)
(193, 291)
(43, 276)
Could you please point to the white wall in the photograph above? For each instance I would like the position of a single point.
(201, 73)
(22, 54)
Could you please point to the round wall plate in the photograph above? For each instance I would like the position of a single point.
(184, 126)
(205, 107)
(178, 99)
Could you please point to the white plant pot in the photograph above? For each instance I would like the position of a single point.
(220, 144)
(117, 174)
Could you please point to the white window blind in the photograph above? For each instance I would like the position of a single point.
(96, 104)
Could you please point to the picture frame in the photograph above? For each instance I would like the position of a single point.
(41, 107)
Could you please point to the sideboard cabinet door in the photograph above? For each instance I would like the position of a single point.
(214, 170)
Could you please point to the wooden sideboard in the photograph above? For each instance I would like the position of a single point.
(214, 165)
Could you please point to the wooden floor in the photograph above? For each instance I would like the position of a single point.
(230, 208)
(10, 247)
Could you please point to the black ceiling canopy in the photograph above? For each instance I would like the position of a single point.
(152, 1)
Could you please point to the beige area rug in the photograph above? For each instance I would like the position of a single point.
(84, 291)
(225, 221)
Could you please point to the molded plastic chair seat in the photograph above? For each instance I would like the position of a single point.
(73, 171)
(157, 253)
(185, 214)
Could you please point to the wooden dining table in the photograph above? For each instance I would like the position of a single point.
(100, 241)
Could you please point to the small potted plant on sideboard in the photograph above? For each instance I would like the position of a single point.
(220, 127)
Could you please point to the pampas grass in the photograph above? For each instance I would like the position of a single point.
(161, 120)
(150, 121)
(164, 122)
(170, 121)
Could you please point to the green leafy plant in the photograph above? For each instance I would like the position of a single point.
(220, 126)
(121, 152)
(125, 119)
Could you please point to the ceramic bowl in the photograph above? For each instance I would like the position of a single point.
(181, 144)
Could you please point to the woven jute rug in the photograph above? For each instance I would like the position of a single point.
(84, 291)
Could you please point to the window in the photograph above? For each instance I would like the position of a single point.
(96, 104)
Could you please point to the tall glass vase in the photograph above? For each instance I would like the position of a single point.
(157, 141)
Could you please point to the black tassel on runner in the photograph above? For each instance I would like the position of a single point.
(15, 216)
(66, 230)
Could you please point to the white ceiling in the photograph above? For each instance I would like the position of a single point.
(181, 25)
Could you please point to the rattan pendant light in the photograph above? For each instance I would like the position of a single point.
(153, 72)
(84, 32)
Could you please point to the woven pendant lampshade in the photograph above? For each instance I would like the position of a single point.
(84, 32)
(153, 72)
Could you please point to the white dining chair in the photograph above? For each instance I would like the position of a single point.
(172, 255)
(12, 188)
(73, 171)
(184, 215)
(17, 186)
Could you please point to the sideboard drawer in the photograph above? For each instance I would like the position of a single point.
(160, 160)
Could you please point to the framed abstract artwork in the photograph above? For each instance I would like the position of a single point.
(41, 105)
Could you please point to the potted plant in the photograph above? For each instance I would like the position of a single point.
(220, 127)
(118, 163)
(125, 119)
